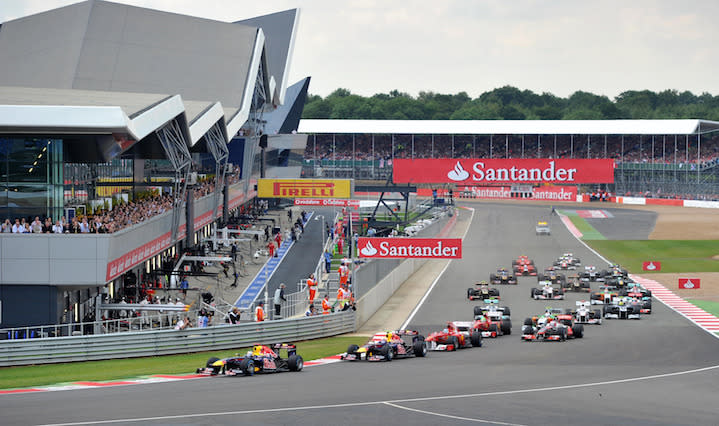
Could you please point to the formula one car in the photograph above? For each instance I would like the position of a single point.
(614, 271)
(482, 291)
(547, 291)
(552, 274)
(551, 326)
(502, 277)
(622, 308)
(492, 320)
(583, 314)
(574, 283)
(543, 228)
(457, 335)
(640, 295)
(566, 262)
(524, 266)
(603, 296)
(388, 346)
(591, 274)
(261, 359)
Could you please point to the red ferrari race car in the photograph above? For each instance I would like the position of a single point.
(387, 346)
(457, 335)
(261, 359)
(524, 266)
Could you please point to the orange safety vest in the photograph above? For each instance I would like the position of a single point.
(311, 283)
(259, 314)
(344, 274)
(325, 306)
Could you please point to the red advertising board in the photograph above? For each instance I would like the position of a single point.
(481, 171)
(652, 266)
(689, 283)
(402, 248)
(550, 193)
(328, 202)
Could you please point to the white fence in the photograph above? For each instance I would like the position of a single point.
(166, 342)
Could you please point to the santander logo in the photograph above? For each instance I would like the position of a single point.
(458, 173)
(689, 284)
(651, 266)
(368, 250)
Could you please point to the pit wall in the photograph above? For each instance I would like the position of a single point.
(373, 299)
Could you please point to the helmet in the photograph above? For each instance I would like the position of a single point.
(257, 350)
(389, 336)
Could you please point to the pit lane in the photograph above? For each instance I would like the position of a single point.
(505, 382)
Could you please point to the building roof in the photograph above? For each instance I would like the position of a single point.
(512, 127)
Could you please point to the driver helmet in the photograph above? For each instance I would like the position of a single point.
(542, 321)
(257, 350)
(446, 330)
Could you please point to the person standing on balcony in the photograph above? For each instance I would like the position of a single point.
(279, 298)
(260, 312)
(312, 287)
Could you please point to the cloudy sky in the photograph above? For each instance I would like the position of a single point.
(448, 46)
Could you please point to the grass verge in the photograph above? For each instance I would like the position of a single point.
(677, 256)
(587, 230)
(97, 371)
(707, 305)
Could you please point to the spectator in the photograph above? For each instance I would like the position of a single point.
(310, 312)
(279, 298)
(7, 226)
(234, 315)
(326, 307)
(36, 226)
(184, 286)
(312, 287)
(183, 324)
(328, 261)
(84, 226)
(17, 228)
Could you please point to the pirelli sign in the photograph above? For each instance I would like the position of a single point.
(304, 188)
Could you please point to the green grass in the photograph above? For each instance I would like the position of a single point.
(587, 230)
(40, 375)
(677, 256)
(707, 305)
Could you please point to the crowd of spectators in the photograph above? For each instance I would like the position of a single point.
(632, 149)
(107, 221)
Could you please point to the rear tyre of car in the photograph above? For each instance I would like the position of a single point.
(578, 331)
(563, 334)
(506, 311)
(528, 321)
(454, 342)
(476, 339)
(295, 362)
(506, 327)
(247, 366)
(598, 313)
(419, 348)
(469, 293)
(533, 292)
(492, 277)
(477, 310)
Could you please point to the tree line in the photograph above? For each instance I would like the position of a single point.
(511, 103)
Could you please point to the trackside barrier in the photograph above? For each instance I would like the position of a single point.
(167, 342)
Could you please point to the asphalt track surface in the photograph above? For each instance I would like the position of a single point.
(660, 370)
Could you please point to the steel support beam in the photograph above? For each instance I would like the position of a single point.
(173, 142)
(217, 146)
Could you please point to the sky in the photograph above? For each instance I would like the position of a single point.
(448, 46)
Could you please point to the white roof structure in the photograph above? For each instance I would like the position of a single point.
(510, 127)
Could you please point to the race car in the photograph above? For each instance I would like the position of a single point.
(492, 320)
(591, 274)
(261, 359)
(482, 291)
(552, 274)
(640, 295)
(388, 346)
(551, 327)
(547, 291)
(618, 283)
(614, 271)
(457, 335)
(524, 266)
(603, 296)
(566, 262)
(583, 314)
(542, 228)
(502, 277)
(574, 283)
(622, 308)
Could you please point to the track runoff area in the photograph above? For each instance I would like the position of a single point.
(660, 369)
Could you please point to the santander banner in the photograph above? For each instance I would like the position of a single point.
(690, 283)
(550, 193)
(402, 248)
(651, 266)
(495, 171)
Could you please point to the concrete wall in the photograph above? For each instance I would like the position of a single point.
(379, 279)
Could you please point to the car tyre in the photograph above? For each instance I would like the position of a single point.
(477, 311)
(295, 362)
(454, 342)
(578, 331)
(528, 321)
(476, 339)
(247, 366)
(419, 348)
(506, 327)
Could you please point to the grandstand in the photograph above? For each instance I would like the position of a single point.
(660, 158)
(128, 132)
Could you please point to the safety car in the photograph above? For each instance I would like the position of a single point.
(542, 228)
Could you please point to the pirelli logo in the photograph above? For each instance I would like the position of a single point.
(304, 188)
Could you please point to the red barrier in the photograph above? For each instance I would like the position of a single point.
(664, 202)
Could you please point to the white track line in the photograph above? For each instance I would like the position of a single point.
(436, 280)
(395, 401)
(469, 419)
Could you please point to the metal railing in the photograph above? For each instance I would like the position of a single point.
(166, 342)
(120, 325)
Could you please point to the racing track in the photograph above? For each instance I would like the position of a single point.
(620, 373)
